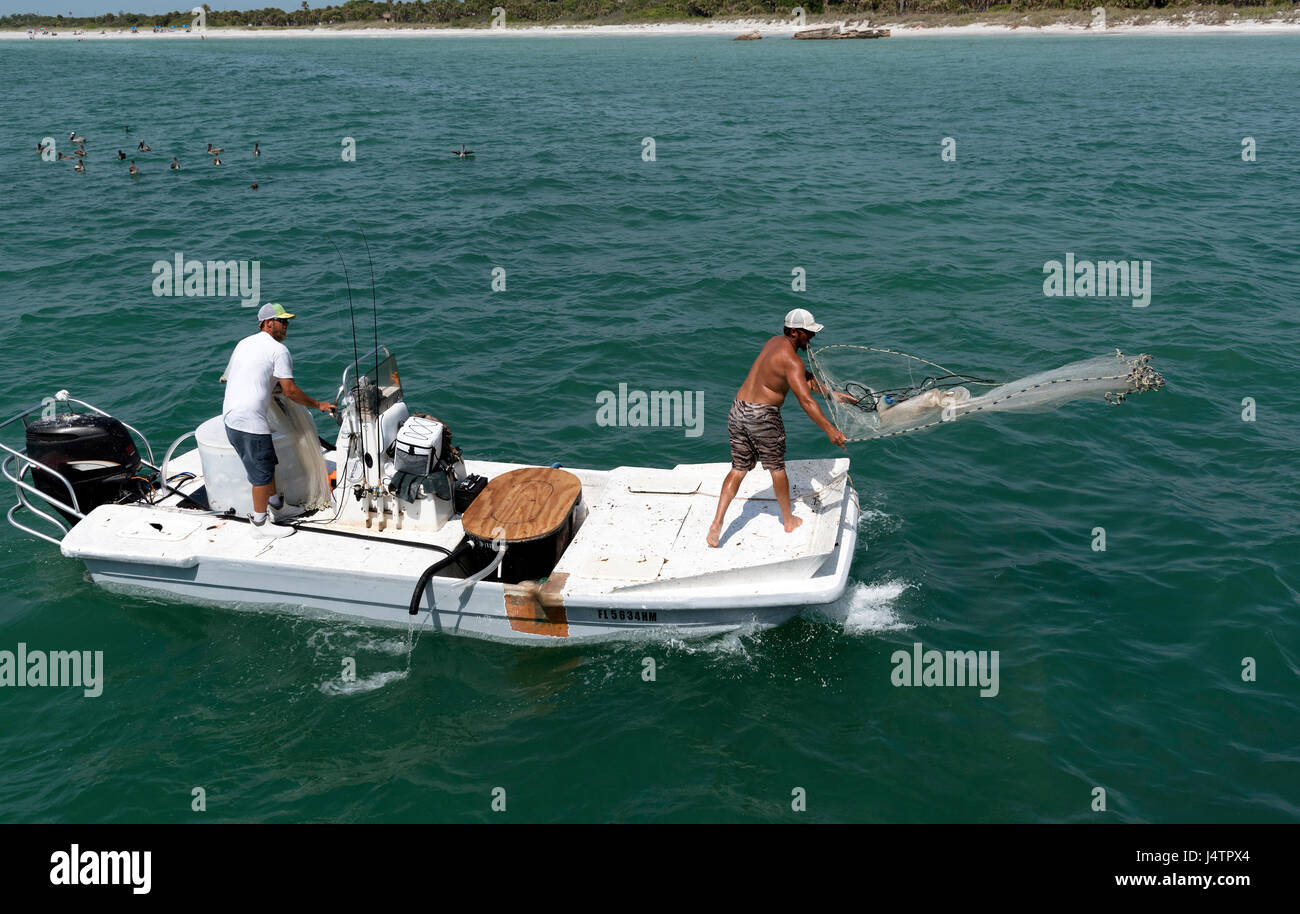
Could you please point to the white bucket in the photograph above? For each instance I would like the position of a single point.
(227, 482)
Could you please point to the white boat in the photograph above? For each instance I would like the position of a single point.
(542, 555)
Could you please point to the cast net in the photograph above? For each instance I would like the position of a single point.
(877, 393)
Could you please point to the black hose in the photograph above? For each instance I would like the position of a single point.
(185, 498)
(362, 536)
(423, 581)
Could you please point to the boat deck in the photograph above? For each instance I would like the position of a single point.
(649, 528)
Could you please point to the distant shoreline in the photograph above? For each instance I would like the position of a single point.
(1075, 24)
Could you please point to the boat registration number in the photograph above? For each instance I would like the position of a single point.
(628, 615)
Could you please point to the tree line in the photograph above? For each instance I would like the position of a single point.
(469, 12)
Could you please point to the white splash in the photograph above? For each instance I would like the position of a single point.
(394, 646)
(868, 608)
(369, 684)
(733, 643)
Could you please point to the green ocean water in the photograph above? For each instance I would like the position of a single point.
(1119, 669)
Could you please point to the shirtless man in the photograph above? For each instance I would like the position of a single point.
(754, 422)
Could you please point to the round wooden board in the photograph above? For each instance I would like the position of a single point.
(523, 505)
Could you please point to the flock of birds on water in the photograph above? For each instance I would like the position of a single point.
(78, 157)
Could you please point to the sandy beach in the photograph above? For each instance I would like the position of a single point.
(719, 28)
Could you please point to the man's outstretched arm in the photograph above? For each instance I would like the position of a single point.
(816, 388)
(795, 377)
(295, 393)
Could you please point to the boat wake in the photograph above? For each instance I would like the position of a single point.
(395, 646)
(866, 609)
(333, 641)
(734, 643)
(333, 644)
(370, 683)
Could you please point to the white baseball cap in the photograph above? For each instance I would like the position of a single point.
(802, 319)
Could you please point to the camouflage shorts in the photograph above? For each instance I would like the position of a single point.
(757, 433)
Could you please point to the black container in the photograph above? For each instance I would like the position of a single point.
(467, 490)
(536, 559)
(94, 453)
(527, 561)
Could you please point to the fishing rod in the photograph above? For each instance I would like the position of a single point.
(374, 304)
(356, 356)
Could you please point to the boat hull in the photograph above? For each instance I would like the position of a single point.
(637, 566)
(483, 610)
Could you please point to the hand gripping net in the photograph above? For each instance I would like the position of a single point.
(878, 393)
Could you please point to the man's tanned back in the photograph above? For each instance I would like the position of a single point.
(768, 380)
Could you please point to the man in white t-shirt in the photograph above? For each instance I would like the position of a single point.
(260, 362)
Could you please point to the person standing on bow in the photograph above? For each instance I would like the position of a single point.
(258, 363)
(754, 423)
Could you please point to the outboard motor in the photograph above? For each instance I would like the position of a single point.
(94, 453)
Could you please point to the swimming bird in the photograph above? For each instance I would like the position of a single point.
(216, 160)
(215, 150)
(253, 186)
(133, 169)
(120, 155)
(79, 151)
(257, 150)
(79, 166)
(73, 138)
(144, 147)
(462, 152)
(176, 166)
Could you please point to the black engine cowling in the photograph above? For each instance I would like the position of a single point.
(94, 453)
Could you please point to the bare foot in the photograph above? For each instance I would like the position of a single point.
(714, 532)
(793, 523)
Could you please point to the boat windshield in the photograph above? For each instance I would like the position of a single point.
(376, 388)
